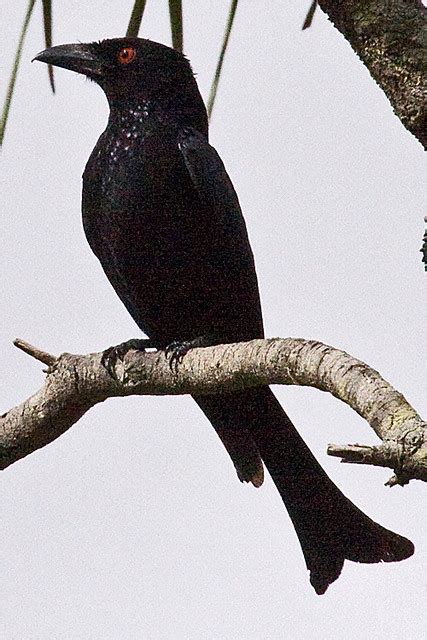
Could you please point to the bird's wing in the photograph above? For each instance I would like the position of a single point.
(217, 194)
(210, 177)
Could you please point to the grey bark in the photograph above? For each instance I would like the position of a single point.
(75, 383)
(389, 36)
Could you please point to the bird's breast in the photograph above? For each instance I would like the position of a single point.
(139, 202)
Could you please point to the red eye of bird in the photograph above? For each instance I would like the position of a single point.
(126, 55)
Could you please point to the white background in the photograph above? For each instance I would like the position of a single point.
(133, 524)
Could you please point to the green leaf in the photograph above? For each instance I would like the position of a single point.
(12, 80)
(214, 86)
(136, 18)
(175, 12)
(47, 22)
(309, 17)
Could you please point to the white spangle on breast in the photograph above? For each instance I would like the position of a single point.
(113, 155)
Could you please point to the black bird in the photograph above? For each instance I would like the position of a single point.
(162, 216)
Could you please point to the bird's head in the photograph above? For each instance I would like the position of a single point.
(132, 68)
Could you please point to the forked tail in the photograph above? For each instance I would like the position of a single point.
(330, 527)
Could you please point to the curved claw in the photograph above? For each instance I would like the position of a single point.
(108, 360)
(175, 352)
(112, 355)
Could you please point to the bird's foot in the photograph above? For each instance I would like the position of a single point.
(176, 350)
(112, 355)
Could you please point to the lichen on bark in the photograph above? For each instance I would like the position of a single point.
(390, 39)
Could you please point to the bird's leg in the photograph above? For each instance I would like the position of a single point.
(176, 350)
(111, 355)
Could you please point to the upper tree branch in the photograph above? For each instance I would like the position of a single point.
(390, 38)
(75, 383)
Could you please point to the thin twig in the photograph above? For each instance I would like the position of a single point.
(215, 82)
(34, 352)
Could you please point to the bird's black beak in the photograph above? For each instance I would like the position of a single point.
(75, 57)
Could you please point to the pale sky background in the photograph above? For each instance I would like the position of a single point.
(133, 524)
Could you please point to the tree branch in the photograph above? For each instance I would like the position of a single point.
(75, 383)
(389, 37)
